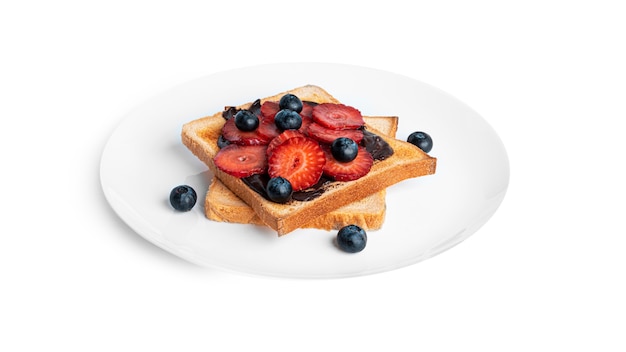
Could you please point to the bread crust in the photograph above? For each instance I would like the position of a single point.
(201, 135)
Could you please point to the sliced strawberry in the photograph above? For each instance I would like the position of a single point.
(269, 109)
(327, 135)
(300, 160)
(234, 135)
(241, 161)
(306, 121)
(307, 108)
(280, 139)
(337, 116)
(267, 128)
(348, 171)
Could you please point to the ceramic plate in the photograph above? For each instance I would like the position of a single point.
(144, 159)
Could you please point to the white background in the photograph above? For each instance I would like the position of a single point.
(546, 273)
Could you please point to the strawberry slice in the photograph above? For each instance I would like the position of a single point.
(236, 136)
(348, 171)
(269, 109)
(241, 161)
(280, 139)
(327, 135)
(306, 122)
(268, 129)
(307, 108)
(300, 160)
(337, 116)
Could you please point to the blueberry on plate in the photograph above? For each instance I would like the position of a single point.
(183, 198)
(291, 102)
(344, 149)
(422, 140)
(279, 189)
(351, 239)
(288, 120)
(246, 121)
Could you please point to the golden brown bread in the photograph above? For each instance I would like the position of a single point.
(407, 161)
(221, 204)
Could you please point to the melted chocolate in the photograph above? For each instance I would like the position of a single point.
(377, 146)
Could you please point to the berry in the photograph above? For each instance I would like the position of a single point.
(267, 129)
(222, 142)
(236, 136)
(241, 161)
(278, 140)
(288, 120)
(351, 170)
(279, 189)
(291, 102)
(351, 239)
(183, 198)
(326, 135)
(337, 116)
(422, 140)
(307, 108)
(246, 121)
(300, 160)
(269, 109)
(344, 149)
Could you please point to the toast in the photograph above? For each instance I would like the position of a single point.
(369, 213)
(201, 136)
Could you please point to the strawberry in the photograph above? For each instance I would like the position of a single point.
(234, 135)
(337, 116)
(269, 109)
(306, 121)
(327, 135)
(307, 108)
(240, 160)
(300, 160)
(280, 139)
(348, 171)
(267, 128)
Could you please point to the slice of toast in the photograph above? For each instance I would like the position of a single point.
(221, 204)
(201, 136)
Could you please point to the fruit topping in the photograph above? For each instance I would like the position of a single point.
(183, 198)
(269, 109)
(422, 140)
(234, 135)
(348, 171)
(267, 128)
(307, 108)
(246, 121)
(344, 149)
(279, 189)
(337, 116)
(280, 139)
(241, 161)
(288, 120)
(327, 135)
(300, 160)
(351, 239)
(290, 102)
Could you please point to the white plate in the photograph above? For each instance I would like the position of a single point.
(144, 159)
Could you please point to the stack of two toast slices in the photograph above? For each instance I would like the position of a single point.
(360, 202)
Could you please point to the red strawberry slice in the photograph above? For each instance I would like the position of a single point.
(348, 171)
(234, 135)
(269, 109)
(300, 160)
(280, 139)
(241, 161)
(307, 108)
(268, 129)
(337, 116)
(306, 121)
(327, 135)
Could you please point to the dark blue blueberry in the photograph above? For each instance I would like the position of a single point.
(344, 149)
(246, 121)
(291, 102)
(288, 120)
(183, 197)
(279, 189)
(422, 140)
(351, 239)
(222, 142)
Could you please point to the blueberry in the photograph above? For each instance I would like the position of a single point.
(351, 239)
(288, 120)
(183, 198)
(291, 102)
(222, 142)
(279, 189)
(344, 149)
(422, 140)
(246, 121)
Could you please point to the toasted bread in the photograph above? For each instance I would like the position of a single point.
(221, 204)
(201, 136)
